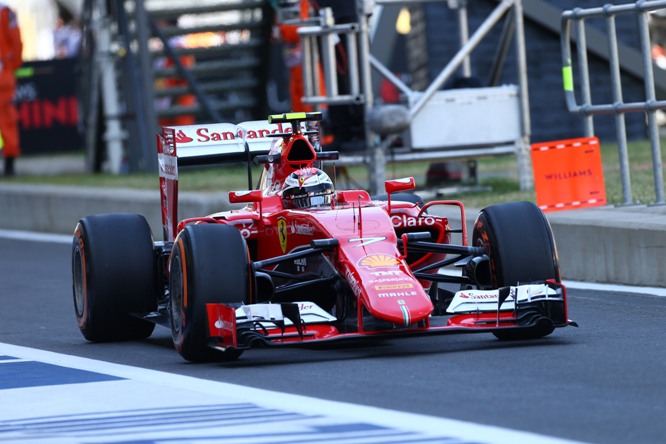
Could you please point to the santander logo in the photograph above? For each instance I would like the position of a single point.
(228, 133)
(181, 137)
(223, 325)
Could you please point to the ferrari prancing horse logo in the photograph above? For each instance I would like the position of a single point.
(282, 234)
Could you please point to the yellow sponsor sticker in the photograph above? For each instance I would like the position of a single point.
(393, 287)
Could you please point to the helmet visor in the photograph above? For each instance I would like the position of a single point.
(310, 197)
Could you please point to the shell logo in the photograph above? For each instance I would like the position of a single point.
(378, 260)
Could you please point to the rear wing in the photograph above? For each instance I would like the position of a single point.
(206, 144)
(210, 144)
(223, 142)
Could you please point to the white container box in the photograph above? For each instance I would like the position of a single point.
(467, 117)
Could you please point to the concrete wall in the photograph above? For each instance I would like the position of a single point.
(607, 244)
(57, 209)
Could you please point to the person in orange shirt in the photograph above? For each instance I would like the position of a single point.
(186, 100)
(11, 48)
(293, 60)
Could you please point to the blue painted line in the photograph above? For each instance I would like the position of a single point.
(166, 409)
(98, 425)
(24, 374)
(221, 415)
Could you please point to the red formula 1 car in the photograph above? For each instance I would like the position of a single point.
(304, 263)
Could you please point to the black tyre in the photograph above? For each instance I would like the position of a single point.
(209, 264)
(114, 273)
(520, 244)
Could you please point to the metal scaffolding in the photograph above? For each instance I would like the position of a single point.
(509, 104)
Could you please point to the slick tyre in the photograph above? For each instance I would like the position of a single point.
(519, 242)
(114, 274)
(209, 264)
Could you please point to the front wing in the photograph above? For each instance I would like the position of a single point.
(302, 323)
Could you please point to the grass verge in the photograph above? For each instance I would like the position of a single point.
(497, 178)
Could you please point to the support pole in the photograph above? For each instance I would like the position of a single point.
(376, 170)
(525, 177)
(114, 135)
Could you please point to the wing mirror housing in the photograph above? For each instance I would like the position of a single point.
(395, 185)
(248, 197)
(245, 196)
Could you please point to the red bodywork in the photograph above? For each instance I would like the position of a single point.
(367, 257)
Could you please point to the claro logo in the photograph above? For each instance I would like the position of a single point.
(400, 221)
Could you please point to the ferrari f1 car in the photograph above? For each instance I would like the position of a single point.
(303, 263)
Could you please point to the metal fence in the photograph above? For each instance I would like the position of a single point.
(576, 19)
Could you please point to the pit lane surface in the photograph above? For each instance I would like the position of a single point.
(603, 382)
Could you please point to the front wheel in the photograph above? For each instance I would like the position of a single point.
(209, 264)
(519, 242)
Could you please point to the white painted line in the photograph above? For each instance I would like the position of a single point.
(151, 405)
(37, 237)
(654, 291)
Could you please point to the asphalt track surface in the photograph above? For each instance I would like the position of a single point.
(604, 382)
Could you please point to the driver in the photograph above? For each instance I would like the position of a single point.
(307, 188)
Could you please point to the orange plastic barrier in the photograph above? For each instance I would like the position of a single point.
(568, 174)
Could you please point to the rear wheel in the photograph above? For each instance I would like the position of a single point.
(114, 274)
(209, 264)
(519, 242)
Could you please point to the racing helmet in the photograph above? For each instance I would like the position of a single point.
(307, 188)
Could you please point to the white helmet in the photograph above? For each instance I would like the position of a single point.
(307, 188)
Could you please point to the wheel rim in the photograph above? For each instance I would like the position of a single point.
(79, 279)
(176, 296)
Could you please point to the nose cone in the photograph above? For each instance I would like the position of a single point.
(404, 311)
(399, 299)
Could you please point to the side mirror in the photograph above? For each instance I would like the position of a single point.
(245, 196)
(392, 186)
(406, 184)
